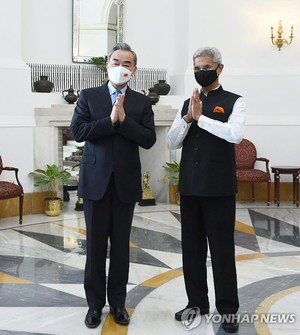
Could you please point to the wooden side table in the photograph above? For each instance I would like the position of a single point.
(286, 169)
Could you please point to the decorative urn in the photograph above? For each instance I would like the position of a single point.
(154, 97)
(70, 97)
(162, 88)
(43, 85)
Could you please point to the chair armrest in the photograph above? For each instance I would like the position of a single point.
(266, 160)
(9, 168)
(16, 170)
(262, 159)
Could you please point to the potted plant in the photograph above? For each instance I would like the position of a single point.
(51, 177)
(100, 62)
(172, 177)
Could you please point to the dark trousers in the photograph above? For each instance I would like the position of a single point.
(212, 220)
(107, 219)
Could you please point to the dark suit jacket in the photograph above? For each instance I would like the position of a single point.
(112, 148)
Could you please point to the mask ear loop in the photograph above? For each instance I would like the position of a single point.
(217, 68)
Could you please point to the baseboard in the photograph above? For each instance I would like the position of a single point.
(260, 194)
(33, 204)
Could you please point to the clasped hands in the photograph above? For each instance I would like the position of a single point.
(195, 107)
(118, 112)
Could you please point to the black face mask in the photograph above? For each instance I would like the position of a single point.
(206, 78)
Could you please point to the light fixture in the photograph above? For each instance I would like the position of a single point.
(279, 41)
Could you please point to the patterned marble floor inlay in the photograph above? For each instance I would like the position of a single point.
(275, 229)
(42, 266)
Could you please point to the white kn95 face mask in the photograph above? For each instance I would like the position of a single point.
(119, 75)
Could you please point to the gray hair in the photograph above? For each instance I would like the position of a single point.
(212, 52)
(125, 47)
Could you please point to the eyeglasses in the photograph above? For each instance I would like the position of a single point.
(204, 68)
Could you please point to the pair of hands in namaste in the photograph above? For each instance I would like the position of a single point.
(118, 112)
(195, 107)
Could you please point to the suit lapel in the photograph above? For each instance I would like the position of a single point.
(129, 99)
(105, 96)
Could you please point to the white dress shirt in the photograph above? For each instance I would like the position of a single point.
(231, 131)
(112, 91)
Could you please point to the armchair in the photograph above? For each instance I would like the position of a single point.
(246, 157)
(10, 190)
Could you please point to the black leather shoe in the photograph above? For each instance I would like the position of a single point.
(178, 315)
(230, 327)
(120, 315)
(93, 318)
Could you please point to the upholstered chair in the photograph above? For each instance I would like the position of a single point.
(246, 172)
(10, 190)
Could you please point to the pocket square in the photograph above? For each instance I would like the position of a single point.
(218, 109)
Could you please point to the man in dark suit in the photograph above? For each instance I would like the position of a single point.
(114, 121)
(206, 128)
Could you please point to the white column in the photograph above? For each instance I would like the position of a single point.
(16, 112)
(14, 73)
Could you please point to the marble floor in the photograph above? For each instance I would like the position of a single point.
(42, 262)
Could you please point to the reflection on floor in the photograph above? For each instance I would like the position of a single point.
(42, 262)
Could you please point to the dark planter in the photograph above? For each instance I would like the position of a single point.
(153, 96)
(43, 85)
(162, 88)
(71, 97)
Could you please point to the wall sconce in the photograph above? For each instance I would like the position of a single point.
(279, 41)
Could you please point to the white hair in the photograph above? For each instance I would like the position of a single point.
(212, 52)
